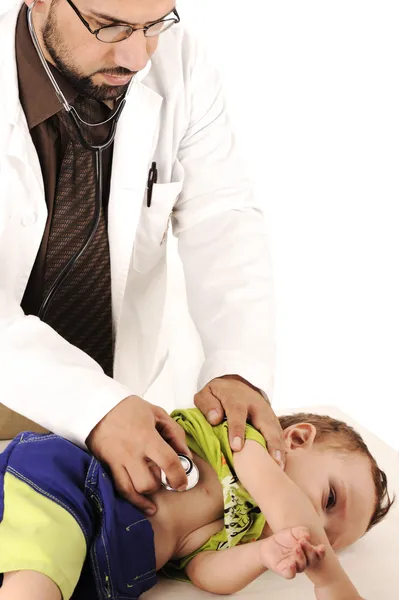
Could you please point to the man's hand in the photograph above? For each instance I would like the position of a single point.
(137, 439)
(241, 402)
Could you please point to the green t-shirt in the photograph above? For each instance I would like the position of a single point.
(243, 521)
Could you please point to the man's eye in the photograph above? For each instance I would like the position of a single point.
(332, 499)
(97, 24)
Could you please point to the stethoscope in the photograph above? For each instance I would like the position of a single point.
(191, 470)
(98, 151)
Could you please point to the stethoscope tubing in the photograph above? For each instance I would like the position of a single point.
(75, 257)
(97, 151)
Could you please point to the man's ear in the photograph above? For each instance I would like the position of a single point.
(301, 435)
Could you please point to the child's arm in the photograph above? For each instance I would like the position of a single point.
(285, 505)
(228, 571)
(19, 585)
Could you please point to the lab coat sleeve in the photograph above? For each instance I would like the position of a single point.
(223, 243)
(48, 380)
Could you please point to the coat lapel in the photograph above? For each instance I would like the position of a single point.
(135, 140)
(134, 145)
(21, 182)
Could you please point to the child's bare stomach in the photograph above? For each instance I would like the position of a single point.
(184, 521)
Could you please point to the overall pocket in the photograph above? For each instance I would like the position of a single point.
(122, 553)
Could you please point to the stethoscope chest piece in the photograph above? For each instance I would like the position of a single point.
(191, 471)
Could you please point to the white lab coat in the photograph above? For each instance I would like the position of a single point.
(175, 116)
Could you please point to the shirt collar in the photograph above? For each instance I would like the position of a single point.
(36, 92)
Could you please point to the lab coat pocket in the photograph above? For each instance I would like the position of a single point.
(152, 229)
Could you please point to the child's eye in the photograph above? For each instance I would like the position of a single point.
(332, 499)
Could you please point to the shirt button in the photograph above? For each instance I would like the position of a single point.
(28, 220)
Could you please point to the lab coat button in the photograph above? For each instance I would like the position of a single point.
(28, 220)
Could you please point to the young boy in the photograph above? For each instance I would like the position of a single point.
(65, 533)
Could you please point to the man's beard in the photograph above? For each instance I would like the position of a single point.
(82, 83)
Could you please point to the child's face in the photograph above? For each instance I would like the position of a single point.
(340, 486)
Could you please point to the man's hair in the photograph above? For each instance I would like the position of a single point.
(337, 435)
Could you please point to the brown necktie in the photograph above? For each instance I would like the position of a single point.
(81, 308)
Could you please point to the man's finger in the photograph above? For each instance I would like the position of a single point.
(141, 476)
(156, 471)
(166, 458)
(125, 488)
(174, 434)
(237, 420)
(210, 406)
(275, 448)
(269, 426)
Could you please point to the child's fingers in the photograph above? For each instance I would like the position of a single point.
(312, 553)
(290, 572)
(300, 559)
(308, 551)
(300, 533)
(320, 551)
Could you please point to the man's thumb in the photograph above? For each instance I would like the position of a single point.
(209, 406)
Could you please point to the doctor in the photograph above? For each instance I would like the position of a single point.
(78, 356)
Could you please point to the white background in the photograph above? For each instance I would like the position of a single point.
(313, 93)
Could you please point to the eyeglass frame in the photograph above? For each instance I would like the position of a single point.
(133, 29)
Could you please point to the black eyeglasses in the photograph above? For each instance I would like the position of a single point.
(110, 34)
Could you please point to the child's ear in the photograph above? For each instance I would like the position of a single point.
(301, 435)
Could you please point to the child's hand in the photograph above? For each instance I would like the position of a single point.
(289, 552)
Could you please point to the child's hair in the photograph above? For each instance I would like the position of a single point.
(337, 435)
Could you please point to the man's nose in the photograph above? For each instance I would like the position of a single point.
(132, 53)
